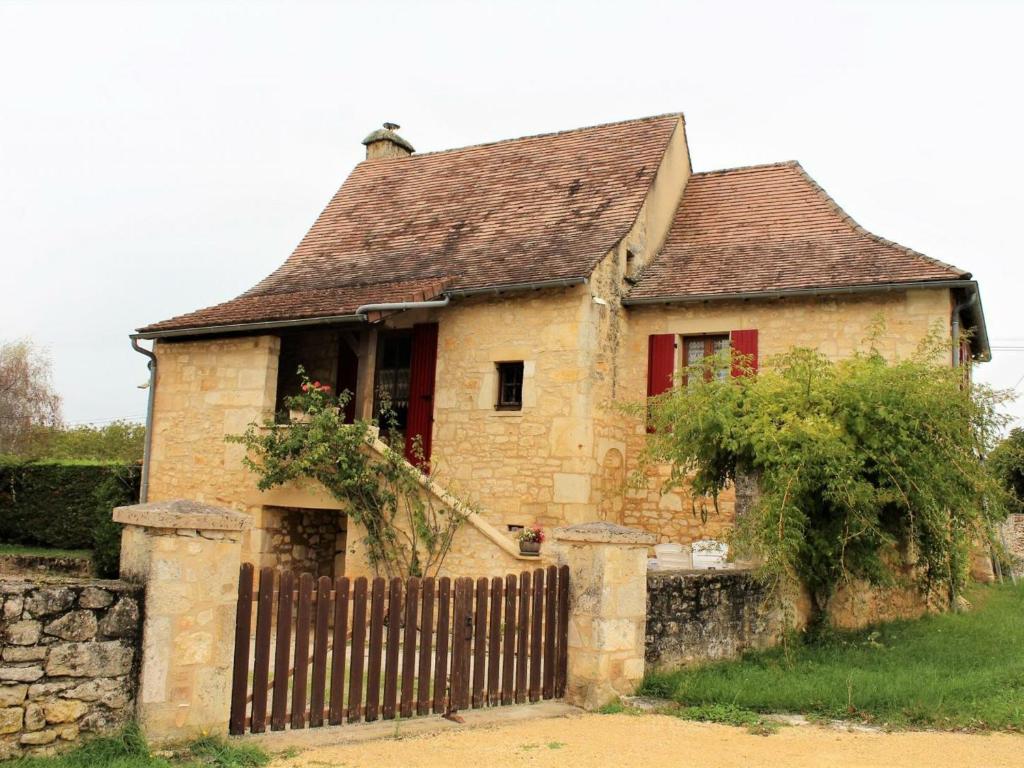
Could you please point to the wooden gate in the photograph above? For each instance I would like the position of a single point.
(332, 651)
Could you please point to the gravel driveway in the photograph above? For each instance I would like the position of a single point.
(656, 741)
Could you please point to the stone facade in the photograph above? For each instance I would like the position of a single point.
(69, 661)
(837, 326)
(1013, 538)
(562, 459)
(306, 540)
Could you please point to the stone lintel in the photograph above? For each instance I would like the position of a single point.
(600, 532)
(182, 514)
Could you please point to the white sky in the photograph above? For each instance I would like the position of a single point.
(159, 157)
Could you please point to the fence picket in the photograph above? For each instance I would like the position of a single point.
(412, 599)
(391, 652)
(300, 678)
(479, 643)
(562, 640)
(494, 644)
(261, 668)
(508, 646)
(282, 652)
(376, 647)
(426, 646)
(442, 677)
(550, 608)
(319, 683)
(339, 642)
(243, 630)
(355, 678)
(522, 648)
(536, 645)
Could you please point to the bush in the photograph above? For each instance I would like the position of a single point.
(855, 460)
(67, 505)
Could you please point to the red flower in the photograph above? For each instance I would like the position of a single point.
(305, 387)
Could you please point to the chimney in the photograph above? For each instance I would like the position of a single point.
(384, 142)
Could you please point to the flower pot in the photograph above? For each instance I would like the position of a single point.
(295, 416)
(529, 547)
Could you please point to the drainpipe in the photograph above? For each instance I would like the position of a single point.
(144, 484)
(955, 324)
(399, 306)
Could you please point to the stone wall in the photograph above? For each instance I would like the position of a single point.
(69, 664)
(698, 616)
(306, 540)
(1013, 536)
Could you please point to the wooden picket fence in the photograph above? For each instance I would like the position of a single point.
(321, 649)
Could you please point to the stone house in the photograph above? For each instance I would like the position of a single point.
(506, 297)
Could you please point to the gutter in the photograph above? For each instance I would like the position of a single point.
(401, 306)
(533, 286)
(266, 325)
(698, 298)
(148, 446)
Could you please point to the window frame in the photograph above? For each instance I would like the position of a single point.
(502, 367)
(709, 340)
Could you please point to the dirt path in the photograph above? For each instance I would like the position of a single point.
(656, 741)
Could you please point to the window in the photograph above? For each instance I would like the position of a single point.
(510, 386)
(394, 363)
(696, 348)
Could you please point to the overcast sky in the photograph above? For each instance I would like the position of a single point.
(160, 157)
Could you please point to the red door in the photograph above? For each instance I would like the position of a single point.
(421, 392)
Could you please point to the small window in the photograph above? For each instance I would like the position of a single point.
(696, 348)
(510, 387)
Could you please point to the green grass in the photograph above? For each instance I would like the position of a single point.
(19, 549)
(948, 671)
(129, 750)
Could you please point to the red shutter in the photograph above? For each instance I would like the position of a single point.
(421, 390)
(744, 343)
(661, 358)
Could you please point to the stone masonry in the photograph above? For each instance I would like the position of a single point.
(69, 661)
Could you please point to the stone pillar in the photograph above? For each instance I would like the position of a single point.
(187, 556)
(608, 609)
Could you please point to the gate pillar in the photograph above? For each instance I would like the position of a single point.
(187, 555)
(608, 610)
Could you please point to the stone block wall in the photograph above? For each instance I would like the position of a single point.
(1013, 536)
(69, 664)
(305, 540)
(835, 325)
(698, 616)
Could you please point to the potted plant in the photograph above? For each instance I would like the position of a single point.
(530, 539)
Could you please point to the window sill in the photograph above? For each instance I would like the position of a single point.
(505, 414)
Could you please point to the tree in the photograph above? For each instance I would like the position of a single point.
(861, 463)
(1007, 462)
(27, 398)
(121, 441)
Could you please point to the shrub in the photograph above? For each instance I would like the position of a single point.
(855, 459)
(66, 505)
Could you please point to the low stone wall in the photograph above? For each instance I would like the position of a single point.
(698, 616)
(69, 661)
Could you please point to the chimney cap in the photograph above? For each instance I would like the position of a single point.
(387, 133)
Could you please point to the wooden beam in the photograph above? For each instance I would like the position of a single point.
(367, 374)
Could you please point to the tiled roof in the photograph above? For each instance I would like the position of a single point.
(772, 228)
(532, 209)
(299, 305)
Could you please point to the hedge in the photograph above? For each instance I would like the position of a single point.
(67, 505)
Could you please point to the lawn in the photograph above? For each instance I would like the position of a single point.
(948, 671)
(129, 750)
(20, 549)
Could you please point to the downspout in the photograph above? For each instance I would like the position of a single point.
(147, 447)
(955, 324)
(399, 306)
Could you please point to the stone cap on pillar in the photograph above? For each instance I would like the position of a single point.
(182, 514)
(600, 532)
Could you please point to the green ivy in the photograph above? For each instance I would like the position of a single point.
(406, 533)
(860, 463)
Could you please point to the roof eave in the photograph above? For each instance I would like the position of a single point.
(265, 325)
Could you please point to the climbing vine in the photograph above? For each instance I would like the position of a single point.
(866, 467)
(407, 532)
